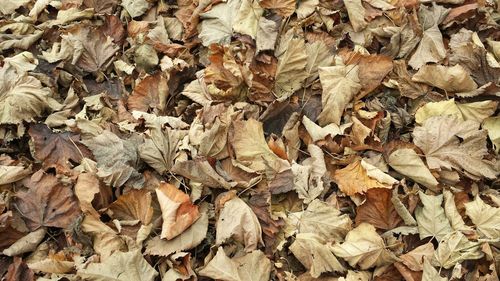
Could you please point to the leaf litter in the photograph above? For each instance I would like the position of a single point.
(243, 140)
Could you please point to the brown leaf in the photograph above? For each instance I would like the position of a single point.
(19, 271)
(98, 49)
(47, 202)
(149, 94)
(8, 233)
(378, 210)
(133, 205)
(57, 150)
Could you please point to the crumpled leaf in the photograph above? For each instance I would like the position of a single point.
(237, 220)
(356, 13)
(47, 202)
(359, 176)
(417, 258)
(22, 97)
(340, 84)
(451, 211)
(364, 248)
(485, 217)
(135, 8)
(450, 144)
(313, 252)
(26, 244)
(284, 8)
(150, 93)
(431, 218)
(178, 212)
(116, 158)
(120, 266)
(455, 248)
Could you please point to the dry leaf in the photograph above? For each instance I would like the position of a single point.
(485, 218)
(431, 218)
(178, 212)
(378, 210)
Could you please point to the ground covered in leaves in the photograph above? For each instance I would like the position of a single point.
(249, 140)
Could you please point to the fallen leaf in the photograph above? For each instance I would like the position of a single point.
(284, 8)
(417, 258)
(364, 248)
(26, 244)
(19, 271)
(178, 212)
(455, 248)
(378, 210)
(450, 144)
(492, 125)
(131, 206)
(430, 273)
(313, 252)
(325, 221)
(217, 24)
(47, 202)
(57, 150)
(407, 162)
(485, 218)
(359, 177)
(120, 266)
(356, 13)
(340, 84)
(237, 220)
(451, 79)
(431, 218)
(149, 94)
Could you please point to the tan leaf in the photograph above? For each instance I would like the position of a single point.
(324, 220)
(430, 49)
(22, 97)
(238, 221)
(133, 205)
(450, 144)
(356, 13)
(292, 61)
(26, 244)
(10, 174)
(359, 176)
(450, 209)
(485, 217)
(431, 218)
(135, 8)
(254, 266)
(247, 18)
(340, 84)
(492, 124)
(308, 177)
(430, 273)
(455, 248)
(364, 247)
(284, 8)
(250, 147)
(452, 79)
(406, 162)
(318, 55)
(47, 202)
(217, 24)
(121, 267)
(189, 239)
(378, 210)
(178, 212)
(415, 258)
(315, 254)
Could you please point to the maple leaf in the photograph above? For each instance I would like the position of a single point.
(325, 221)
(149, 94)
(485, 217)
(450, 144)
(455, 248)
(58, 150)
(133, 205)
(340, 84)
(47, 202)
(431, 217)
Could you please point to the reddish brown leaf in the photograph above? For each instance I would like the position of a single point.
(133, 205)
(150, 94)
(47, 202)
(378, 210)
(19, 271)
(57, 150)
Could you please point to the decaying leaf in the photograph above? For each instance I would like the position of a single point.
(431, 218)
(485, 217)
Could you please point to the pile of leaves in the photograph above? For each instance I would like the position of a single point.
(249, 140)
